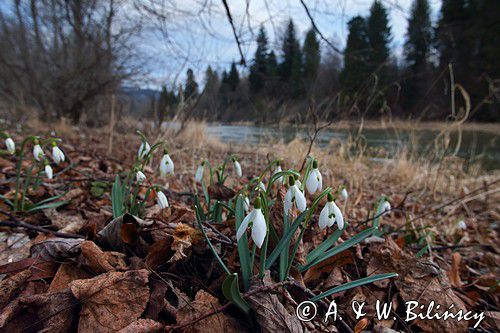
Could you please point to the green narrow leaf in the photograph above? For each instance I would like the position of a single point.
(47, 206)
(7, 201)
(243, 251)
(342, 247)
(285, 240)
(285, 252)
(353, 284)
(117, 198)
(323, 247)
(232, 293)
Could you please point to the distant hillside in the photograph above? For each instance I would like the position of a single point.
(138, 99)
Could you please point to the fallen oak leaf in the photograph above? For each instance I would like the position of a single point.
(111, 301)
(100, 261)
(57, 249)
(143, 326)
(10, 286)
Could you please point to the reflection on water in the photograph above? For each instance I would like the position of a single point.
(475, 146)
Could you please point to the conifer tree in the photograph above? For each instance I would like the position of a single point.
(259, 67)
(291, 53)
(379, 37)
(233, 78)
(312, 57)
(191, 88)
(355, 69)
(416, 51)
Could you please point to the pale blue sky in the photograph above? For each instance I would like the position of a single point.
(199, 33)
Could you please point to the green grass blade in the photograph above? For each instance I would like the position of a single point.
(231, 291)
(36, 207)
(285, 240)
(117, 198)
(353, 284)
(342, 247)
(323, 247)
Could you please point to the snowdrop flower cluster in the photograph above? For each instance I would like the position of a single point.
(256, 221)
(330, 214)
(386, 207)
(294, 196)
(314, 182)
(10, 145)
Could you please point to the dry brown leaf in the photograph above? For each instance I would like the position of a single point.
(203, 303)
(159, 253)
(64, 222)
(269, 312)
(143, 326)
(220, 192)
(10, 286)
(57, 249)
(418, 280)
(65, 274)
(99, 261)
(54, 312)
(184, 237)
(111, 301)
(361, 325)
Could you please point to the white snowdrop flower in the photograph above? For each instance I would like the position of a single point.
(140, 176)
(294, 196)
(166, 165)
(11, 146)
(331, 214)
(386, 207)
(38, 152)
(315, 180)
(344, 194)
(262, 186)
(198, 176)
(278, 169)
(461, 225)
(48, 171)
(246, 204)
(143, 150)
(255, 219)
(161, 200)
(237, 168)
(57, 154)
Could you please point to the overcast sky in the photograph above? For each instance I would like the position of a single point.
(196, 33)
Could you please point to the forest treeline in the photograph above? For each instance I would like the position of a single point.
(70, 59)
(459, 52)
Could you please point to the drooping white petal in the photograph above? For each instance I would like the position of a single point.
(237, 169)
(166, 165)
(11, 146)
(143, 150)
(262, 186)
(344, 194)
(246, 204)
(323, 217)
(461, 225)
(199, 174)
(57, 155)
(339, 218)
(49, 172)
(140, 176)
(38, 152)
(161, 200)
(386, 207)
(259, 228)
(300, 200)
(244, 224)
(314, 181)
